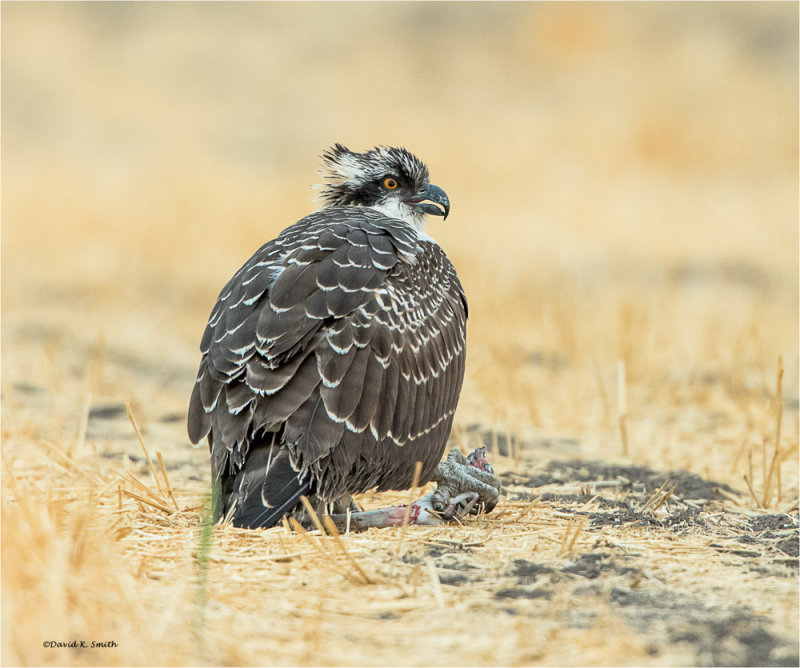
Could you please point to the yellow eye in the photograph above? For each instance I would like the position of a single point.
(390, 184)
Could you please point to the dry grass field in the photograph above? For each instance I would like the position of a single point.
(624, 181)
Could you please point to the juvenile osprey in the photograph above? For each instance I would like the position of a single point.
(333, 359)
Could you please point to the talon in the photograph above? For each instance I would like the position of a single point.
(464, 485)
(461, 506)
(458, 475)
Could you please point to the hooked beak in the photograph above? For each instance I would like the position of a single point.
(433, 194)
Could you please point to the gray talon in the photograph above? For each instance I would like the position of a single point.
(463, 486)
(460, 506)
(457, 476)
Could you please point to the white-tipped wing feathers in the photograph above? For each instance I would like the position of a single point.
(346, 336)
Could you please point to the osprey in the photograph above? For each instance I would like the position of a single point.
(333, 359)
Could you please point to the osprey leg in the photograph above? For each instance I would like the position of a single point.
(465, 485)
(458, 475)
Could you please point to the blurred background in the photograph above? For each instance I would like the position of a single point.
(624, 187)
(623, 179)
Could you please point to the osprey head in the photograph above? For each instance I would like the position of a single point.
(390, 180)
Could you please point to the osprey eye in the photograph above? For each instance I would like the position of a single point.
(390, 184)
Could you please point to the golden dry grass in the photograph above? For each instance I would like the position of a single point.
(624, 181)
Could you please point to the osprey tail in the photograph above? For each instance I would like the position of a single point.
(263, 491)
